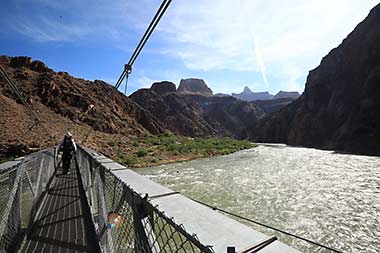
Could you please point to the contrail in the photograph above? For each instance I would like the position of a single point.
(260, 61)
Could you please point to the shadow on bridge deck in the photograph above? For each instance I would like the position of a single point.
(62, 224)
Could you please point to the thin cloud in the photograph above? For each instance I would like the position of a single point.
(292, 78)
(48, 30)
(215, 34)
(203, 35)
(260, 61)
(54, 21)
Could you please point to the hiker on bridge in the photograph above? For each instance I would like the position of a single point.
(68, 148)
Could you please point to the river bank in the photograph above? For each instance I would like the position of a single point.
(169, 148)
(141, 151)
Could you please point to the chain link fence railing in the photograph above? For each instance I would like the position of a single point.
(126, 221)
(21, 188)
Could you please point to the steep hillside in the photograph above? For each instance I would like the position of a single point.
(101, 117)
(197, 115)
(94, 103)
(64, 102)
(341, 103)
(272, 105)
(19, 135)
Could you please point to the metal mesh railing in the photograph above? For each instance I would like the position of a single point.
(21, 187)
(126, 221)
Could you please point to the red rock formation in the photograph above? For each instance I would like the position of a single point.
(163, 87)
(111, 111)
(200, 116)
(194, 86)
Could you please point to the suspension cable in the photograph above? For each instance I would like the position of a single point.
(267, 226)
(157, 17)
(18, 93)
(32, 112)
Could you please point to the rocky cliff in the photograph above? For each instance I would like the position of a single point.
(194, 86)
(197, 115)
(95, 103)
(221, 95)
(287, 94)
(272, 105)
(61, 100)
(341, 103)
(249, 95)
(163, 87)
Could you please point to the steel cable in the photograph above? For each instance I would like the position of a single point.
(18, 93)
(160, 12)
(32, 112)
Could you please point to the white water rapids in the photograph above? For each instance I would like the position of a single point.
(327, 197)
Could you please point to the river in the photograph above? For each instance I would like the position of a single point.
(325, 196)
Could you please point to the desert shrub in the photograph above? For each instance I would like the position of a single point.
(141, 153)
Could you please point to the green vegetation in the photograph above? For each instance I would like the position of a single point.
(130, 160)
(141, 153)
(167, 147)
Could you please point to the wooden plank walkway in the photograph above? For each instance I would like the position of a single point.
(62, 224)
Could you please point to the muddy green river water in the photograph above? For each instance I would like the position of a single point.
(327, 197)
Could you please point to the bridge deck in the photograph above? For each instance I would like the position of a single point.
(62, 223)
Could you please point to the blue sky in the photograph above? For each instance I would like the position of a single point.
(266, 45)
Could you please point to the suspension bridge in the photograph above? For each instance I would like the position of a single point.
(101, 206)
